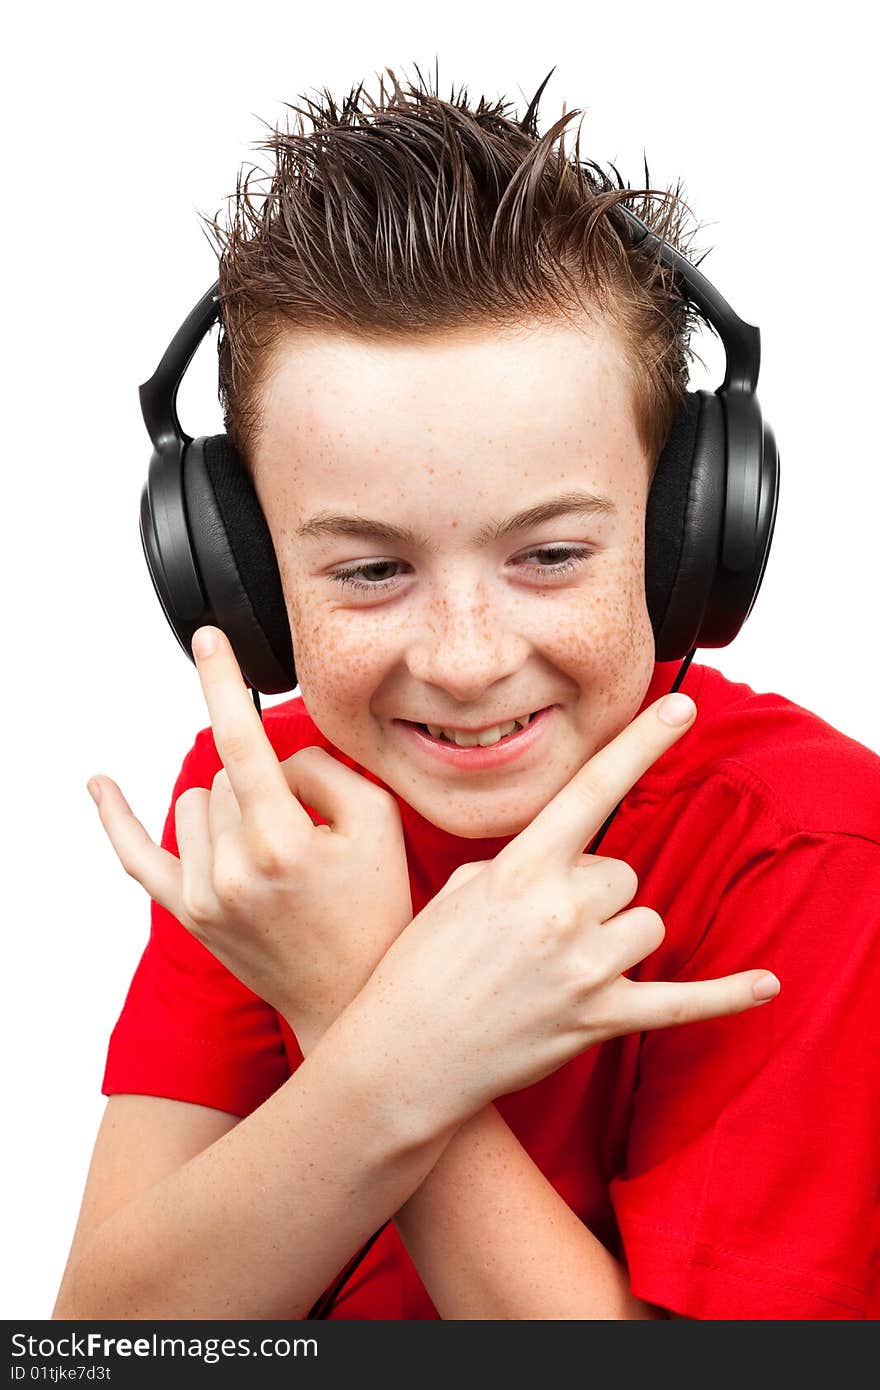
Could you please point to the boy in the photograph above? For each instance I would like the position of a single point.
(450, 384)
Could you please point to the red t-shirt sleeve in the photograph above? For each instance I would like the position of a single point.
(189, 1030)
(750, 1188)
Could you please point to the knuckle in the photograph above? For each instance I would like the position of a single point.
(510, 876)
(465, 871)
(610, 884)
(460, 876)
(557, 921)
(566, 915)
(457, 876)
(129, 864)
(381, 802)
(221, 779)
(186, 799)
(623, 877)
(652, 926)
(198, 905)
(236, 748)
(311, 753)
(593, 788)
(591, 974)
(631, 879)
(227, 881)
(268, 857)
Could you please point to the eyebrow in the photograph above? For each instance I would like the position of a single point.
(589, 504)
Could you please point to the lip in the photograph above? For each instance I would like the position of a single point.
(478, 759)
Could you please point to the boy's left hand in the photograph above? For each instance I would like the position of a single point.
(300, 913)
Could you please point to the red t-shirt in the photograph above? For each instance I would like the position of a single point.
(732, 1165)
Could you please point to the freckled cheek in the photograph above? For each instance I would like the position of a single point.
(608, 625)
(605, 642)
(630, 647)
(338, 670)
(638, 636)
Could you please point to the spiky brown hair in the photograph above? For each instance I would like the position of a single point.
(406, 214)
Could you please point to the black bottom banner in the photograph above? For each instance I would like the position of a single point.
(124, 1354)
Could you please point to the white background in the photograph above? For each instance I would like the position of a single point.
(122, 124)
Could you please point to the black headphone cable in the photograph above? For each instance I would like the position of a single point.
(682, 672)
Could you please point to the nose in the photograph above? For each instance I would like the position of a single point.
(465, 643)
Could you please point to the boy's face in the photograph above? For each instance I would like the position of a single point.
(461, 624)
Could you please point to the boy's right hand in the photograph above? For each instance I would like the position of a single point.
(517, 965)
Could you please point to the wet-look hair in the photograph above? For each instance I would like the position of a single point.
(403, 215)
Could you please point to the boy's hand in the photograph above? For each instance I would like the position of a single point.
(517, 965)
(299, 912)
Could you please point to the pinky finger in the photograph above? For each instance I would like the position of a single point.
(153, 867)
(664, 1004)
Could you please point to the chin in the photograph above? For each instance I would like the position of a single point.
(479, 825)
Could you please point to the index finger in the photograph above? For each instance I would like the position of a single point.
(577, 812)
(250, 761)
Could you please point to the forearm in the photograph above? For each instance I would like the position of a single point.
(258, 1224)
(491, 1237)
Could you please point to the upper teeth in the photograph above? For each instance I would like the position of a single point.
(468, 739)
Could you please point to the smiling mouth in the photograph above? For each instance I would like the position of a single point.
(486, 738)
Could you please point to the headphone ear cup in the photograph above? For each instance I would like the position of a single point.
(683, 525)
(236, 561)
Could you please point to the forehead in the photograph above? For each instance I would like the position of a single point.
(466, 404)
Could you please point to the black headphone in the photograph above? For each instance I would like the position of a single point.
(709, 522)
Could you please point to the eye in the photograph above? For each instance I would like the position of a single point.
(571, 558)
(565, 560)
(351, 576)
